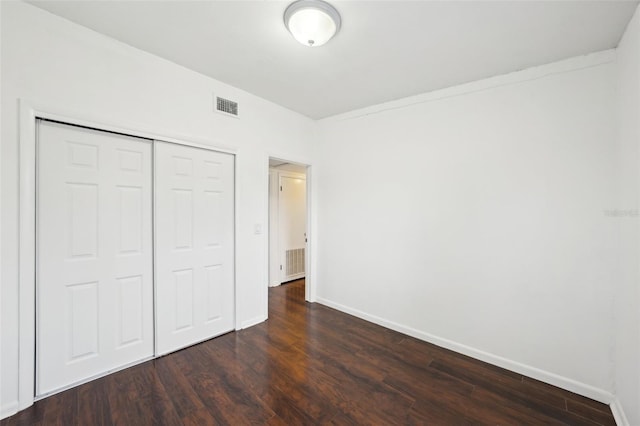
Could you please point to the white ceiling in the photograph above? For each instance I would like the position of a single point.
(385, 50)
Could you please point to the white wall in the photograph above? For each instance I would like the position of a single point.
(627, 307)
(51, 61)
(474, 217)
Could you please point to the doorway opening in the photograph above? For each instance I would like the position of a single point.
(288, 222)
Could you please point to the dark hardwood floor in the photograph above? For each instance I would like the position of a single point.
(309, 364)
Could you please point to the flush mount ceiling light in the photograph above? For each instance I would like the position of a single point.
(312, 22)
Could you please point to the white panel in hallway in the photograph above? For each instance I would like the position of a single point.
(194, 245)
(94, 277)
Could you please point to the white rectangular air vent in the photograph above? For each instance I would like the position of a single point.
(295, 261)
(226, 106)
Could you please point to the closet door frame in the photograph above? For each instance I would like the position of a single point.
(29, 113)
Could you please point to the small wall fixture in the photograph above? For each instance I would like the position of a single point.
(312, 22)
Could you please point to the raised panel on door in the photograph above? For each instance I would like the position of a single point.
(194, 220)
(292, 226)
(94, 254)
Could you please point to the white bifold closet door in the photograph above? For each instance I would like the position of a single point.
(94, 254)
(194, 200)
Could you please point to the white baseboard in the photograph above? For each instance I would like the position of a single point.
(526, 370)
(251, 322)
(8, 410)
(618, 413)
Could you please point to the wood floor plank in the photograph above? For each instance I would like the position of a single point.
(62, 408)
(514, 393)
(544, 387)
(476, 375)
(228, 399)
(587, 411)
(198, 418)
(184, 398)
(310, 364)
(93, 405)
(368, 392)
(486, 405)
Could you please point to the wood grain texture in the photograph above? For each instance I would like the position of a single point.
(309, 364)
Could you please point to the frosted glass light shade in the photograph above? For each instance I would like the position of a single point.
(312, 22)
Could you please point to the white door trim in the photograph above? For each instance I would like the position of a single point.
(29, 111)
